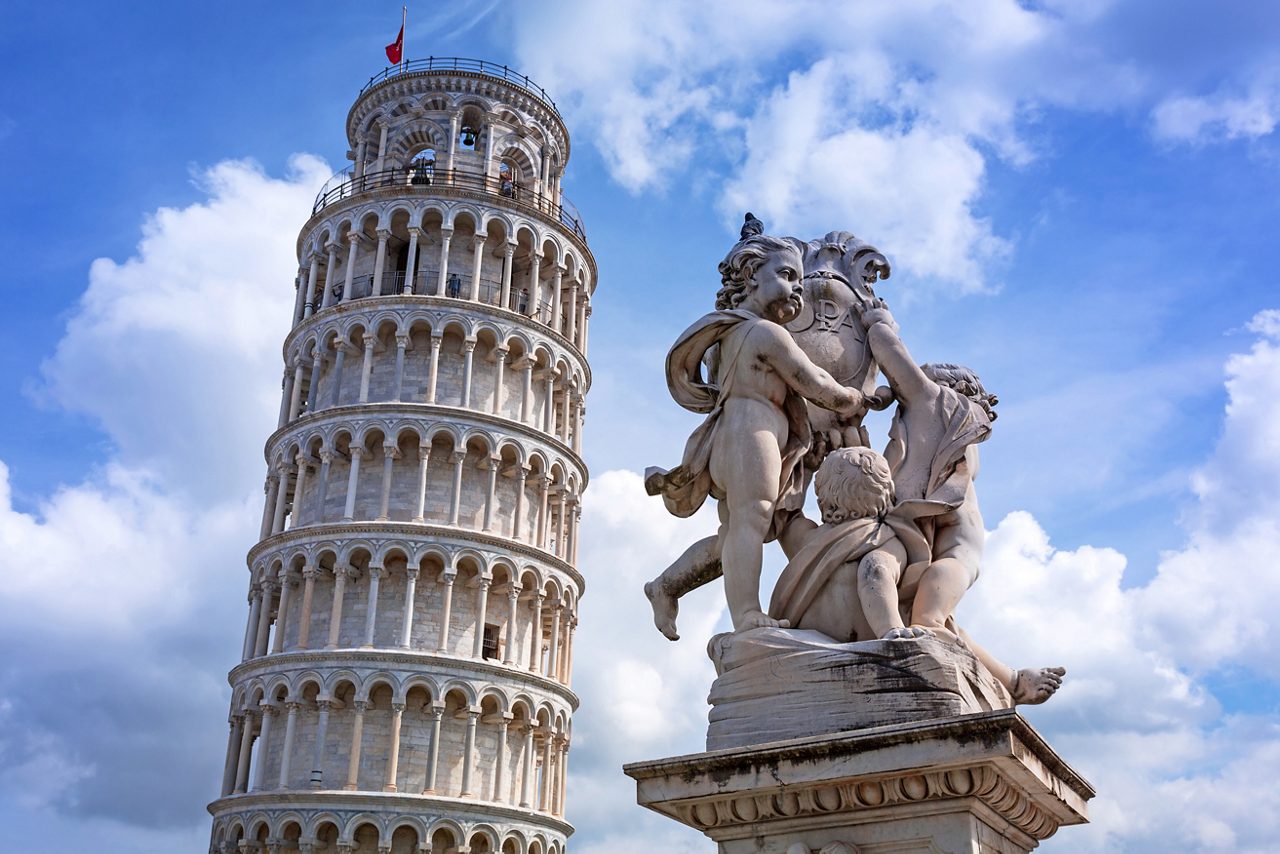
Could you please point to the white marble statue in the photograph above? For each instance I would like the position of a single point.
(865, 530)
(902, 534)
(747, 452)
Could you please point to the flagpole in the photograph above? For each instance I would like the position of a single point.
(404, 18)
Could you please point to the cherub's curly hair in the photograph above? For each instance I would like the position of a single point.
(741, 264)
(963, 380)
(857, 481)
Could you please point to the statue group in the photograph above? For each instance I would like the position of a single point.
(785, 370)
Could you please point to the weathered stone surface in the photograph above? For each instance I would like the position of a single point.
(983, 783)
(777, 684)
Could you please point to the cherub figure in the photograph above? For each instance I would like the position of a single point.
(746, 453)
(823, 586)
(943, 412)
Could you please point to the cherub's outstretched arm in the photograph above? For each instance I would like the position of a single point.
(801, 374)
(905, 376)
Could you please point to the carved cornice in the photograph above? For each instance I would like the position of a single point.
(993, 762)
(409, 660)
(400, 302)
(414, 531)
(446, 191)
(410, 410)
(347, 805)
(985, 783)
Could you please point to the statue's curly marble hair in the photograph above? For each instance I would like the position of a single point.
(741, 264)
(963, 380)
(856, 483)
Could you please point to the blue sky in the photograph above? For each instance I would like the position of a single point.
(1079, 200)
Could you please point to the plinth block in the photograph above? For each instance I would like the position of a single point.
(981, 784)
(789, 683)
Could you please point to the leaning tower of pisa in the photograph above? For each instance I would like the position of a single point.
(405, 682)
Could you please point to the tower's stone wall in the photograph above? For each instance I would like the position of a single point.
(405, 682)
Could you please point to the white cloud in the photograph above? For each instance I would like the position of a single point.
(1224, 115)
(123, 612)
(884, 125)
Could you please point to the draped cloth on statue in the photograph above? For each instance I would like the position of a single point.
(963, 424)
(912, 520)
(831, 546)
(686, 487)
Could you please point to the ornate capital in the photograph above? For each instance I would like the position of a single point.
(383, 234)
(397, 707)
(403, 341)
(391, 450)
(361, 706)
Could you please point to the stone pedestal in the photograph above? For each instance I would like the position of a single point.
(982, 783)
(788, 683)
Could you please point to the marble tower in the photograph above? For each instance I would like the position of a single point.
(405, 682)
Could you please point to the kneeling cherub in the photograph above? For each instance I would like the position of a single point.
(855, 575)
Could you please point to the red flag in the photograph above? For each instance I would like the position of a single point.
(396, 49)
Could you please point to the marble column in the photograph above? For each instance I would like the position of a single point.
(295, 393)
(433, 757)
(309, 307)
(229, 766)
(424, 461)
(446, 578)
(335, 613)
(390, 453)
(513, 601)
(500, 357)
(309, 574)
(554, 655)
(469, 753)
(264, 619)
(508, 254)
(535, 639)
(517, 522)
(366, 366)
(246, 749)
(313, 382)
(260, 769)
(339, 360)
(526, 392)
(357, 453)
(410, 269)
(357, 742)
(371, 612)
(434, 368)
(446, 235)
(379, 264)
(482, 603)
(491, 493)
(526, 782)
(504, 720)
(322, 733)
(477, 265)
(468, 356)
(406, 620)
(330, 263)
(456, 509)
(393, 760)
(286, 585)
(326, 465)
(353, 240)
(286, 753)
(397, 381)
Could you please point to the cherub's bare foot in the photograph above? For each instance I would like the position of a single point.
(665, 607)
(759, 620)
(1034, 685)
(907, 633)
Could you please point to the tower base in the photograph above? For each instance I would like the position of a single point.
(984, 783)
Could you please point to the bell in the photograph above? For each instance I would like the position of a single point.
(468, 136)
